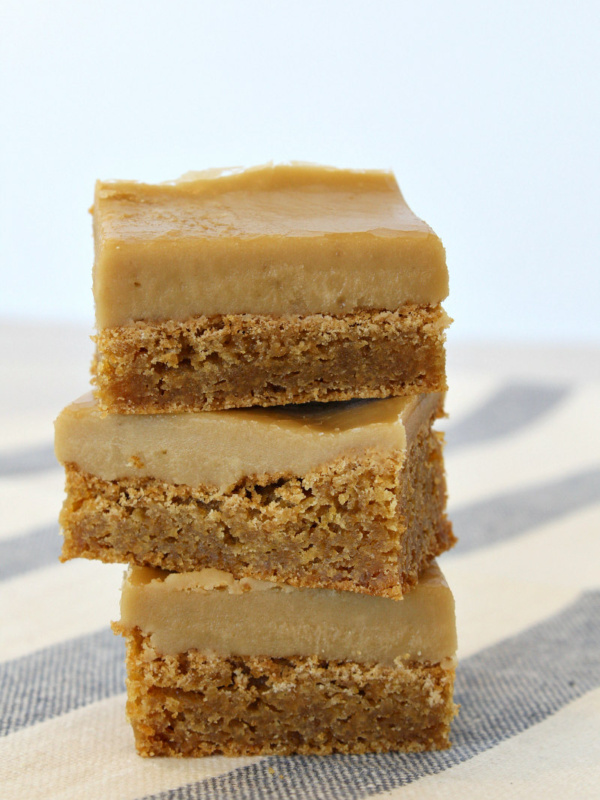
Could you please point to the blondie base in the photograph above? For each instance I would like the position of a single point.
(241, 360)
(198, 705)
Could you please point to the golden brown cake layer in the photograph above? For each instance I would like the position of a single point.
(197, 705)
(287, 239)
(240, 360)
(366, 522)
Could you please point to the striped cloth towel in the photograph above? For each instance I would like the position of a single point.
(523, 462)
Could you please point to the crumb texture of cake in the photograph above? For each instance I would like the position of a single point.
(236, 361)
(366, 521)
(195, 705)
(341, 672)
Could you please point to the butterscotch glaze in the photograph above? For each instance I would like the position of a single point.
(211, 612)
(218, 448)
(287, 239)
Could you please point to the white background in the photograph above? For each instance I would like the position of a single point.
(487, 112)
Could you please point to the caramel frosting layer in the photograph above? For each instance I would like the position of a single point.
(213, 613)
(218, 448)
(287, 239)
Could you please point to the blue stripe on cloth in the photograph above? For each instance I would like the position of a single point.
(59, 679)
(503, 691)
(506, 516)
(28, 460)
(32, 550)
(512, 408)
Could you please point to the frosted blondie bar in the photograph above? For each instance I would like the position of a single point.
(346, 495)
(269, 286)
(246, 667)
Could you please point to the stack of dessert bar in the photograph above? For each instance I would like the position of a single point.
(260, 450)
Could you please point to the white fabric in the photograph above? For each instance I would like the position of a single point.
(526, 577)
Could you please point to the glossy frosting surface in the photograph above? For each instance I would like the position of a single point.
(218, 448)
(212, 612)
(287, 239)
